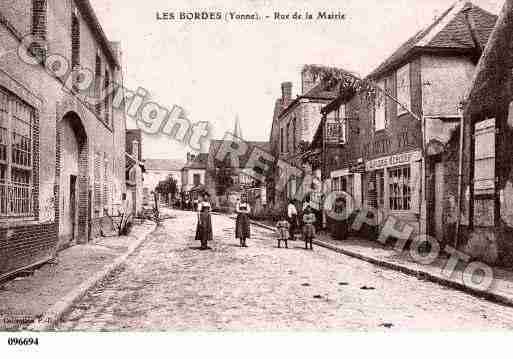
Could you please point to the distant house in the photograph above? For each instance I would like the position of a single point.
(159, 170)
(194, 171)
(228, 179)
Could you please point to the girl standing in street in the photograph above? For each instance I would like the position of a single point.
(242, 225)
(309, 227)
(204, 229)
(292, 218)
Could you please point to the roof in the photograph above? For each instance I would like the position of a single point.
(491, 86)
(451, 31)
(199, 162)
(215, 145)
(321, 91)
(163, 164)
(87, 11)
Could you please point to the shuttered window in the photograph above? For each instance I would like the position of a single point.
(484, 169)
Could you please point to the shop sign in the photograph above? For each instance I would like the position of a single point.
(392, 161)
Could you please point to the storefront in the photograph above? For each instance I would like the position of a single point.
(393, 185)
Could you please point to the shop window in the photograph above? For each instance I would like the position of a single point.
(16, 153)
(399, 183)
(484, 164)
(403, 89)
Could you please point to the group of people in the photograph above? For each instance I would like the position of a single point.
(287, 228)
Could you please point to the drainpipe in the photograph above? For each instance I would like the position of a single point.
(460, 177)
(324, 168)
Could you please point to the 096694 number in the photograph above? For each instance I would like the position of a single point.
(23, 341)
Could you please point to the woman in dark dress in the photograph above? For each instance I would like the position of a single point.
(339, 228)
(204, 229)
(242, 225)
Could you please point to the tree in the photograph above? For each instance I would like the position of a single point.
(167, 188)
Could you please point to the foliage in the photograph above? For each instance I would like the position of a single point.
(346, 81)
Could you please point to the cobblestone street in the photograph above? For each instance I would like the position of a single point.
(170, 285)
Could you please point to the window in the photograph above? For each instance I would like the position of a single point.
(380, 108)
(342, 119)
(97, 79)
(97, 184)
(75, 40)
(16, 152)
(403, 89)
(399, 188)
(294, 135)
(108, 99)
(196, 179)
(288, 137)
(335, 184)
(39, 27)
(484, 162)
(281, 141)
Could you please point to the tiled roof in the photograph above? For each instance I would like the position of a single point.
(215, 145)
(163, 164)
(449, 31)
(199, 162)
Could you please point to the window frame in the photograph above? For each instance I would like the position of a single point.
(482, 155)
(401, 196)
(23, 150)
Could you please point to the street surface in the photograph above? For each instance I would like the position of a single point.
(170, 285)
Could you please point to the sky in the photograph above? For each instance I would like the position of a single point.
(217, 70)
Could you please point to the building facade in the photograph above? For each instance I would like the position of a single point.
(294, 124)
(157, 170)
(62, 162)
(399, 153)
(487, 188)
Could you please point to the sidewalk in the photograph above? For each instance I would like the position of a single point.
(374, 252)
(55, 285)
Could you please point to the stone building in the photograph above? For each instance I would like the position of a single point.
(487, 191)
(402, 158)
(194, 171)
(294, 124)
(62, 159)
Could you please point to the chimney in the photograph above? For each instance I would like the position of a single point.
(307, 81)
(286, 90)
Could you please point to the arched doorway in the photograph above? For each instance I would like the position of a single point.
(73, 180)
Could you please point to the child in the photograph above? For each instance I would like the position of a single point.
(283, 232)
(309, 227)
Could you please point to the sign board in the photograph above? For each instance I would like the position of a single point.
(333, 132)
(393, 161)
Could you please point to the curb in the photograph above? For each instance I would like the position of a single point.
(419, 274)
(55, 313)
